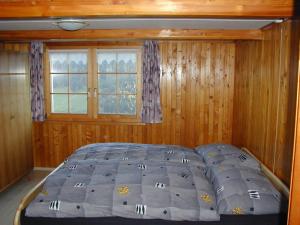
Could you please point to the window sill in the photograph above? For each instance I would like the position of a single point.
(99, 121)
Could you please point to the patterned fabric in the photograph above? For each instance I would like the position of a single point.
(238, 182)
(154, 182)
(244, 191)
(224, 154)
(151, 109)
(36, 81)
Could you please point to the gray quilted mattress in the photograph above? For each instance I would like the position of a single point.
(131, 181)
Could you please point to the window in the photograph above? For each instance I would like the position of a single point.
(102, 84)
(68, 80)
(117, 78)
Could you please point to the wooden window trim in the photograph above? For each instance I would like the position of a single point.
(92, 110)
(118, 117)
(64, 116)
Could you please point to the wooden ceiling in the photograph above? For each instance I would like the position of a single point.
(27, 9)
(155, 8)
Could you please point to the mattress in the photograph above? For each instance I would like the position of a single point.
(122, 183)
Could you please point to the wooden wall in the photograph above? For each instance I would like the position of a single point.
(197, 101)
(265, 98)
(15, 116)
(294, 216)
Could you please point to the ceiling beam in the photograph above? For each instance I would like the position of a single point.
(132, 34)
(148, 8)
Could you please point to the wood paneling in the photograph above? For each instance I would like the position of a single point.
(294, 216)
(132, 34)
(11, 47)
(133, 8)
(197, 102)
(264, 100)
(15, 139)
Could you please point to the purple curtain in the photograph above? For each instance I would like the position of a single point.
(36, 81)
(151, 108)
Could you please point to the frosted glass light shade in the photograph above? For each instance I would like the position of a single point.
(71, 24)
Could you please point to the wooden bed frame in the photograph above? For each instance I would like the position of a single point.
(273, 178)
(38, 188)
(30, 196)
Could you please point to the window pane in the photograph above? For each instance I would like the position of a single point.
(127, 83)
(127, 62)
(107, 62)
(58, 62)
(107, 84)
(127, 104)
(59, 103)
(107, 104)
(78, 62)
(78, 104)
(78, 83)
(59, 83)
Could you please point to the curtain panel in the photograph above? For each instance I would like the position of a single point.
(151, 107)
(37, 81)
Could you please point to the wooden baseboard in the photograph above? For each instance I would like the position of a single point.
(273, 178)
(44, 168)
(16, 179)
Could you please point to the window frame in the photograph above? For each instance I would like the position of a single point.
(121, 117)
(92, 85)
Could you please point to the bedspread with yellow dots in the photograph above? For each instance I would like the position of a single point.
(131, 181)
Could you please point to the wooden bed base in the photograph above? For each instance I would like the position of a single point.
(38, 188)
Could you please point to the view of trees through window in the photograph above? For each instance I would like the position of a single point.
(68, 77)
(116, 81)
(117, 75)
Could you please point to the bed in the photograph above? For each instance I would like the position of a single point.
(123, 183)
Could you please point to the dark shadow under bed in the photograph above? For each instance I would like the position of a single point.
(278, 219)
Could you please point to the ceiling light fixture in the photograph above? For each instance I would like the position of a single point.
(71, 24)
(278, 20)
